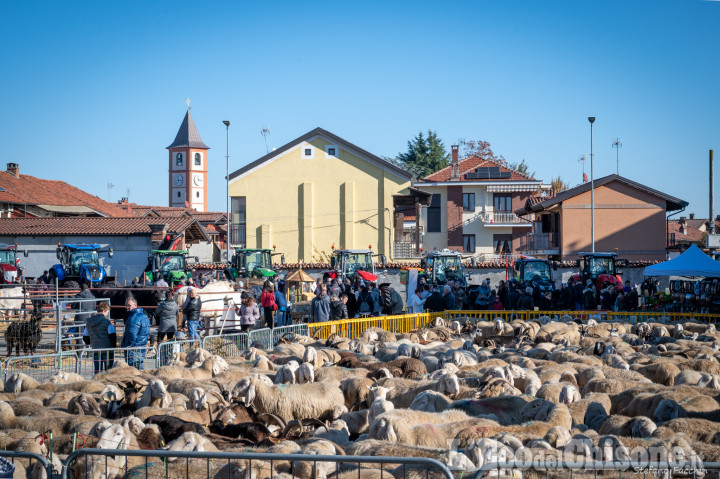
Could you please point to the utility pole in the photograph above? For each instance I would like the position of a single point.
(617, 144)
(227, 185)
(591, 119)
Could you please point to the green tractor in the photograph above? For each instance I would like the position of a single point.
(253, 263)
(171, 264)
(439, 267)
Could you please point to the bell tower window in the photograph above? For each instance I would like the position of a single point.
(179, 159)
(198, 159)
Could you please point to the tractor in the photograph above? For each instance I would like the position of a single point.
(353, 264)
(601, 268)
(9, 263)
(170, 264)
(253, 263)
(533, 271)
(439, 267)
(80, 263)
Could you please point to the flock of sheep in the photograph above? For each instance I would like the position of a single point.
(467, 393)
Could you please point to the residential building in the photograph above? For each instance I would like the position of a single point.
(313, 193)
(25, 196)
(630, 219)
(472, 207)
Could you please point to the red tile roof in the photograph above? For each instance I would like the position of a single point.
(82, 226)
(469, 164)
(692, 235)
(171, 212)
(27, 189)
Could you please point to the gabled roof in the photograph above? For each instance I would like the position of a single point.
(346, 145)
(28, 190)
(188, 136)
(469, 165)
(691, 235)
(84, 226)
(672, 203)
(143, 211)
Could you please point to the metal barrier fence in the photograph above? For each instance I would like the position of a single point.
(114, 462)
(632, 316)
(168, 348)
(279, 332)
(592, 469)
(263, 336)
(227, 345)
(33, 462)
(92, 361)
(41, 367)
(353, 328)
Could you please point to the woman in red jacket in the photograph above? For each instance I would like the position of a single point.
(267, 301)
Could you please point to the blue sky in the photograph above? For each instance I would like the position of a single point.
(94, 91)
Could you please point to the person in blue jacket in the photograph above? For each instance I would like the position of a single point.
(136, 334)
(281, 318)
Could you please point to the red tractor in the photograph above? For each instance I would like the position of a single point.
(10, 263)
(601, 268)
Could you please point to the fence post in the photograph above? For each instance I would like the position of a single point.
(58, 325)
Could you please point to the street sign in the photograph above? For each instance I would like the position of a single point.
(712, 241)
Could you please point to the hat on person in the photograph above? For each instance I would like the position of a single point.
(529, 290)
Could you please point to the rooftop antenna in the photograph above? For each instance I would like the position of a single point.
(582, 159)
(110, 186)
(128, 195)
(617, 144)
(265, 132)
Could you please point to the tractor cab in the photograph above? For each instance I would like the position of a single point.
(80, 262)
(600, 268)
(439, 267)
(254, 263)
(9, 263)
(353, 264)
(171, 264)
(531, 272)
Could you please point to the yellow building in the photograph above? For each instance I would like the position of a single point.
(312, 193)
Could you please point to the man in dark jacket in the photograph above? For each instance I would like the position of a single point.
(166, 314)
(320, 306)
(589, 297)
(191, 314)
(99, 333)
(338, 308)
(136, 334)
(578, 295)
(434, 302)
(566, 299)
(86, 306)
(526, 301)
(512, 299)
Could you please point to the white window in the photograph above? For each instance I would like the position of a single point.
(308, 152)
(331, 151)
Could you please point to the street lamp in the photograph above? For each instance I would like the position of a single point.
(591, 119)
(227, 184)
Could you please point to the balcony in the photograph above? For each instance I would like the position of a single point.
(540, 243)
(504, 218)
(237, 235)
(406, 243)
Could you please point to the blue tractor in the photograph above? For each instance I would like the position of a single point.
(80, 263)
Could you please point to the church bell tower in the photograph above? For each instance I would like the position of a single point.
(188, 167)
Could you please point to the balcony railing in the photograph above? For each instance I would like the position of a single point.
(505, 218)
(535, 242)
(406, 243)
(237, 235)
(671, 239)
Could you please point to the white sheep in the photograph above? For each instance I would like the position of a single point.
(306, 373)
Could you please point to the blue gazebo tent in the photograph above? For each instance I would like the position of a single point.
(692, 262)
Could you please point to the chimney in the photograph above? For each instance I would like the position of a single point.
(159, 228)
(123, 201)
(14, 169)
(692, 216)
(683, 219)
(455, 165)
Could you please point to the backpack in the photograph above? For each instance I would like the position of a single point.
(366, 297)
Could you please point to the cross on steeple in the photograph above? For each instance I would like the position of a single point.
(187, 100)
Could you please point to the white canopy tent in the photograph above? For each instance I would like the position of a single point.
(692, 262)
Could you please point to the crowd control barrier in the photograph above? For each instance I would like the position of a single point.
(176, 464)
(167, 349)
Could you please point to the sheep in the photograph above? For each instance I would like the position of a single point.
(287, 373)
(380, 404)
(294, 401)
(190, 441)
(84, 404)
(306, 373)
(64, 377)
(505, 410)
(155, 395)
(19, 382)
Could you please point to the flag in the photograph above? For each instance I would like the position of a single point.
(585, 178)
